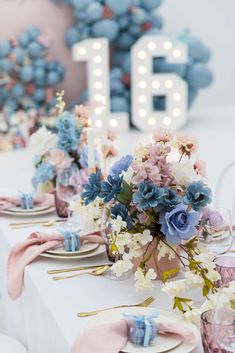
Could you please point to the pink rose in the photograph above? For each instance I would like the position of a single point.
(200, 168)
(59, 159)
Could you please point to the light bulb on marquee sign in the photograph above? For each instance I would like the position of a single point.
(96, 53)
(146, 84)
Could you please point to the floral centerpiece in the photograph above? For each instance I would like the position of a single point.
(57, 150)
(155, 203)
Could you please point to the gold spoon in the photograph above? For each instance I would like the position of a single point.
(49, 223)
(74, 269)
(144, 304)
(97, 272)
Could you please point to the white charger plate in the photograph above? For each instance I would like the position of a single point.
(100, 250)
(30, 213)
(84, 249)
(162, 343)
(21, 210)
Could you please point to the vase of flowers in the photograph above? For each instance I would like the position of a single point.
(66, 145)
(154, 200)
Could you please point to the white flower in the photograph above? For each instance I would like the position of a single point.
(193, 315)
(213, 275)
(118, 224)
(164, 250)
(207, 260)
(43, 140)
(193, 279)
(122, 266)
(140, 152)
(127, 176)
(146, 237)
(135, 249)
(174, 288)
(122, 240)
(144, 280)
(184, 173)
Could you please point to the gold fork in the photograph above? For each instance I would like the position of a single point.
(75, 269)
(144, 304)
(48, 223)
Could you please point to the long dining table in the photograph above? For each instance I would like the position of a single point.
(45, 318)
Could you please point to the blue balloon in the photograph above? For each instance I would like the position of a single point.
(125, 41)
(94, 11)
(119, 104)
(11, 104)
(139, 16)
(39, 63)
(195, 48)
(6, 65)
(156, 20)
(119, 7)
(33, 33)
(81, 4)
(135, 30)
(116, 87)
(106, 28)
(18, 90)
(124, 21)
(151, 4)
(116, 73)
(206, 54)
(53, 78)
(126, 64)
(5, 48)
(161, 65)
(39, 74)
(27, 73)
(19, 54)
(24, 39)
(39, 95)
(192, 95)
(72, 36)
(34, 49)
(199, 76)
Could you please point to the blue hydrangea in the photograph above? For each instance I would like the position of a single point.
(45, 172)
(170, 200)
(93, 188)
(148, 195)
(197, 195)
(111, 187)
(122, 165)
(68, 139)
(122, 211)
(179, 224)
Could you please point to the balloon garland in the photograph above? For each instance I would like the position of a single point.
(123, 22)
(27, 76)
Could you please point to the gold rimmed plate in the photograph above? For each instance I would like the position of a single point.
(100, 250)
(29, 213)
(84, 249)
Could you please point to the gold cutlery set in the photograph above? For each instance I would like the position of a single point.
(43, 223)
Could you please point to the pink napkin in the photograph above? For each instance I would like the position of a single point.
(24, 253)
(112, 338)
(40, 200)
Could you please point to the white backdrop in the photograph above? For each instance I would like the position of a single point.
(214, 22)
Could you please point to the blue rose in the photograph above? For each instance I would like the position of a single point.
(148, 195)
(122, 165)
(197, 195)
(122, 211)
(179, 224)
(92, 188)
(111, 187)
(170, 200)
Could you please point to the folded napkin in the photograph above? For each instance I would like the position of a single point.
(112, 338)
(24, 253)
(39, 200)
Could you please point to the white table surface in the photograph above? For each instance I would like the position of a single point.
(44, 318)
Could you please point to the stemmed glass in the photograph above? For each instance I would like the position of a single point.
(69, 188)
(223, 322)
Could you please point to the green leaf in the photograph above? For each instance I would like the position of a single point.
(169, 273)
(205, 290)
(125, 196)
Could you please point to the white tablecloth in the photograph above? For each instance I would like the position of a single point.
(44, 318)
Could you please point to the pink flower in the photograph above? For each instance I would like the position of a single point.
(186, 144)
(162, 135)
(212, 218)
(59, 159)
(200, 168)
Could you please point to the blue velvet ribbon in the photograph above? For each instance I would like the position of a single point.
(71, 240)
(142, 329)
(26, 201)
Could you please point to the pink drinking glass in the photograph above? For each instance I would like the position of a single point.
(225, 265)
(209, 342)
